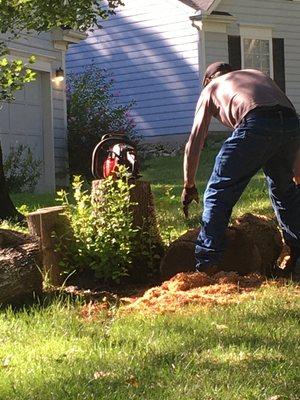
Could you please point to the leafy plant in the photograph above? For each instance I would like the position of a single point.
(13, 76)
(21, 169)
(102, 236)
(93, 110)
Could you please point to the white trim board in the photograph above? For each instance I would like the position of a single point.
(39, 65)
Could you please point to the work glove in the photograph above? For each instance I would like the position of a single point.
(297, 180)
(187, 196)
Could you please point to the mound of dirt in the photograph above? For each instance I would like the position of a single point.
(254, 244)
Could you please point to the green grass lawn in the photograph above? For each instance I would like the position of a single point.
(245, 351)
(166, 175)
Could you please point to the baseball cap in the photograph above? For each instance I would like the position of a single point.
(219, 66)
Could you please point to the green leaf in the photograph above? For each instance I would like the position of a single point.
(32, 60)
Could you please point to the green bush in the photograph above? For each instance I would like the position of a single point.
(22, 171)
(93, 110)
(102, 234)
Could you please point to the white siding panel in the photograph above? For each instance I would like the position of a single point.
(284, 17)
(152, 50)
(216, 49)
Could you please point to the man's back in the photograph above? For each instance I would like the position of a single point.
(231, 96)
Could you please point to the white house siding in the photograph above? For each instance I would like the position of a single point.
(284, 18)
(38, 117)
(216, 49)
(151, 48)
(60, 134)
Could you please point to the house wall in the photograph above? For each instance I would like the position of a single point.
(53, 151)
(283, 17)
(151, 48)
(216, 49)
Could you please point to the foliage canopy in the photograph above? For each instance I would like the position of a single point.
(42, 15)
(17, 16)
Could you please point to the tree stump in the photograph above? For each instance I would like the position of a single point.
(20, 260)
(46, 223)
(254, 244)
(144, 219)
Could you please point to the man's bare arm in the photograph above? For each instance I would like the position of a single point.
(196, 142)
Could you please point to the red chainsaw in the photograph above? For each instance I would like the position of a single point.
(114, 150)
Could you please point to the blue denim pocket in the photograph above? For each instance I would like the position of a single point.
(244, 152)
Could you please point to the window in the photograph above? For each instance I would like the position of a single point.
(257, 54)
(257, 49)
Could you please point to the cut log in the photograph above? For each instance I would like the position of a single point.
(49, 223)
(254, 244)
(7, 208)
(20, 263)
(144, 218)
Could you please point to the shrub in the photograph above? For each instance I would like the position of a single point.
(102, 236)
(93, 110)
(22, 171)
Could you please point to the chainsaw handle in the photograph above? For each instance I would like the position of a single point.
(109, 135)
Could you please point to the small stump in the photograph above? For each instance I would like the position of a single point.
(44, 223)
(20, 260)
(254, 244)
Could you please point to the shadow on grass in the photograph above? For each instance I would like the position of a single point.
(248, 360)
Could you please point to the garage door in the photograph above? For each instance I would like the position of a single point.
(22, 121)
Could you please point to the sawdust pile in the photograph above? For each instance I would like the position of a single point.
(193, 288)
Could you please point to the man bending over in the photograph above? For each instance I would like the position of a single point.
(265, 135)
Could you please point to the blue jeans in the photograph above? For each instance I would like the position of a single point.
(258, 142)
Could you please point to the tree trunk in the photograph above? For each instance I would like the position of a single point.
(19, 267)
(44, 223)
(7, 208)
(253, 244)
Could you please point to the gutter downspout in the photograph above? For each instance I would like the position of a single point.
(198, 24)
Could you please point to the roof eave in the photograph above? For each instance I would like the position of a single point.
(205, 16)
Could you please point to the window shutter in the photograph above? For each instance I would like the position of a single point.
(234, 52)
(278, 62)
